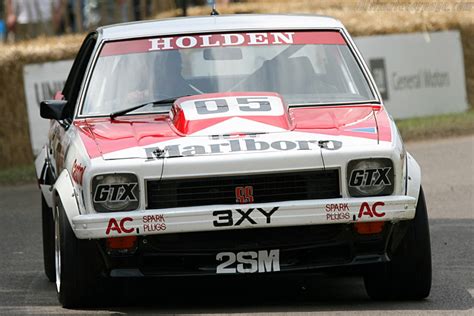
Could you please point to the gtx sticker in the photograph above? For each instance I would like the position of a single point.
(337, 211)
(232, 106)
(249, 261)
(115, 193)
(119, 227)
(154, 223)
(78, 172)
(368, 177)
(236, 146)
(371, 211)
(226, 218)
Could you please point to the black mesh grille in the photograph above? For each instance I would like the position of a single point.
(274, 187)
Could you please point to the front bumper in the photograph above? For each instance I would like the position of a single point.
(302, 250)
(244, 216)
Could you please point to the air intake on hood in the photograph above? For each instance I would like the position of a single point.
(230, 113)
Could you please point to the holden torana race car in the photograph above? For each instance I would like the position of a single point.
(227, 145)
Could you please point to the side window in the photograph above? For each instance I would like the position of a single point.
(76, 75)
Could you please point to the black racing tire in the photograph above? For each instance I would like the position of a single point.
(408, 275)
(77, 275)
(48, 240)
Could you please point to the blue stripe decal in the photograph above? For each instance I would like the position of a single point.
(370, 130)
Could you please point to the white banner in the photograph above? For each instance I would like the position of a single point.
(41, 82)
(419, 74)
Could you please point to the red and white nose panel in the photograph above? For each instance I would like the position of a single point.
(230, 113)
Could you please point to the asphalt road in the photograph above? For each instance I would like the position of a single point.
(448, 179)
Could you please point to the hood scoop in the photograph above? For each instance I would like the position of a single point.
(230, 114)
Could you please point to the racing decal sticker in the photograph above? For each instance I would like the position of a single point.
(154, 223)
(221, 40)
(230, 105)
(119, 226)
(78, 172)
(244, 194)
(150, 223)
(115, 193)
(248, 262)
(362, 121)
(371, 211)
(368, 177)
(138, 137)
(237, 217)
(371, 130)
(230, 113)
(58, 145)
(337, 211)
(237, 146)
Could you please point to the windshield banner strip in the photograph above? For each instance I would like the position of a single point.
(222, 40)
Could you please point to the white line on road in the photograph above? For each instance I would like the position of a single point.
(471, 291)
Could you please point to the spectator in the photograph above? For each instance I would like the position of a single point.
(31, 18)
(2, 31)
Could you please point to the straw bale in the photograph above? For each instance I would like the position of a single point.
(15, 148)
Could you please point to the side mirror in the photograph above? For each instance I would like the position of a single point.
(53, 109)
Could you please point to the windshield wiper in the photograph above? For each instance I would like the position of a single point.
(136, 107)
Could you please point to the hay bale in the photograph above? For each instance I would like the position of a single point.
(15, 148)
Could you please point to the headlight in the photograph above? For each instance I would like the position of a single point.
(370, 177)
(115, 192)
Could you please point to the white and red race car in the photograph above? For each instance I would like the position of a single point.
(228, 145)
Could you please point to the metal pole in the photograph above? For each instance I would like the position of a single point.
(143, 10)
(184, 4)
(78, 15)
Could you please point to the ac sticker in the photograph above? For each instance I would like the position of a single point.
(367, 210)
(120, 226)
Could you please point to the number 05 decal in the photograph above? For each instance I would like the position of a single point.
(249, 261)
(233, 106)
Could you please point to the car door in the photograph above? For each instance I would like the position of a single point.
(59, 135)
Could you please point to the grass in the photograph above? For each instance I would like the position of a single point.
(439, 126)
(411, 129)
(17, 175)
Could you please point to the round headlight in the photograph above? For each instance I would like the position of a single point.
(115, 192)
(370, 177)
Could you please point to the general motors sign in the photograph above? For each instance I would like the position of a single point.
(419, 74)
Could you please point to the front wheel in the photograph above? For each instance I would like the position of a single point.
(408, 274)
(77, 264)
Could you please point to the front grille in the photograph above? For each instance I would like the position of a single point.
(272, 187)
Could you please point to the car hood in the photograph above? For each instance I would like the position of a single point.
(225, 130)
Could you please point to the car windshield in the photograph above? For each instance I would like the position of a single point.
(310, 67)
